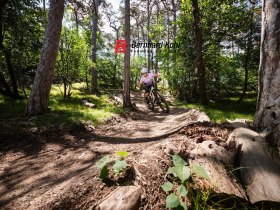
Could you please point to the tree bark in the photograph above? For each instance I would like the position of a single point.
(38, 100)
(11, 71)
(126, 88)
(4, 87)
(94, 79)
(174, 10)
(199, 55)
(148, 36)
(268, 103)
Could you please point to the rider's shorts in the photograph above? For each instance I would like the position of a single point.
(147, 88)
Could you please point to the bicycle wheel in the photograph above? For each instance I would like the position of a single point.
(162, 102)
(150, 103)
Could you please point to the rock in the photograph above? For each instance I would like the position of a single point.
(123, 198)
(34, 130)
(90, 127)
(117, 100)
(86, 102)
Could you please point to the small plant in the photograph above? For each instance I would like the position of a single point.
(118, 166)
(178, 188)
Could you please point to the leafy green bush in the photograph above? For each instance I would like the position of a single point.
(118, 166)
(180, 175)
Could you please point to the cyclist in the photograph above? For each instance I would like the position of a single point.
(146, 81)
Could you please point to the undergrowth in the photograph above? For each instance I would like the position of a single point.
(63, 112)
(226, 109)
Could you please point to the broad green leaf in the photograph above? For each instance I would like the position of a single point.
(102, 162)
(182, 190)
(183, 172)
(167, 186)
(200, 171)
(171, 171)
(123, 154)
(182, 206)
(104, 172)
(172, 201)
(119, 166)
(177, 160)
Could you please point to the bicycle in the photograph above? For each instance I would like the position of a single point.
(156, 98)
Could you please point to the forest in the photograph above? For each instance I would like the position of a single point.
(133, 104)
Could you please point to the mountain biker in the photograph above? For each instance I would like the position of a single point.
(146, 81)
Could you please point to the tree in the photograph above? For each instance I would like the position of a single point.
(268, 103)
(198, 50)
(38, 100)
(6, 89)
(126, 87)
(72, 60)
(113, 20)
(94, 79)
(248, 51)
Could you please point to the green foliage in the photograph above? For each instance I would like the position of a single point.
(73, 59)
(103, 162)
(200, 171)
(122, 154)
(167, 186)
(104, 172)
(182, 172)
(118, 166)
(225, 26)
(172, 201)
(178, 161)
(182, 190)
(228, 108)
(177, 197)
(22, 30)
(64, 112)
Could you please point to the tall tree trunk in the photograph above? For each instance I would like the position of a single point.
(248, 54)
(4, 87)
(148, 35)
(64, 87)
(116, 60)
(174, 10)
(38, 100)
(94, 79)
(199, 55)
(11, 72)
(44, 5)
(268, 103)
(126, 88)
(168, 40)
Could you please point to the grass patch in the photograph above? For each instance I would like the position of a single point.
(228, 109)
(63, 112)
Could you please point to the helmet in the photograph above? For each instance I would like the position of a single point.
(144, 70)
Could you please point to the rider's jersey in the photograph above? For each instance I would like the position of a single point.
(148, 80)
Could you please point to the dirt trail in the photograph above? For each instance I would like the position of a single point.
(149, 124)
(55, 168)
